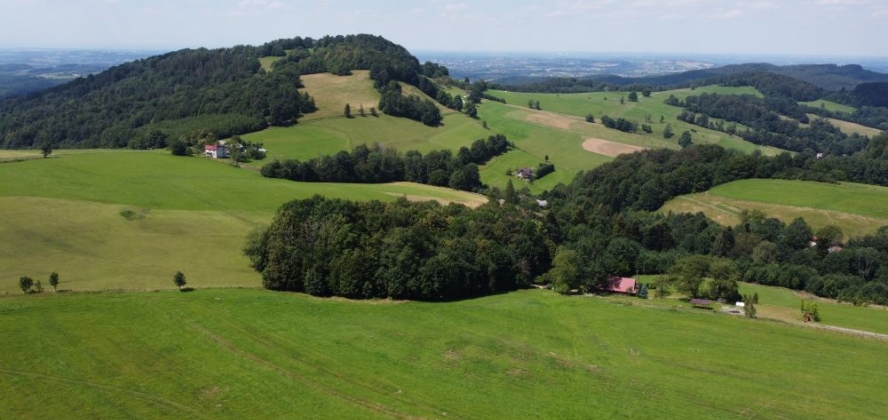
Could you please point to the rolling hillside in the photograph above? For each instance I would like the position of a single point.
(216, 354)
(857, 209)
(124, 219)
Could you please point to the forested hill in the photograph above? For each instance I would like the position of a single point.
(147, 102)
(825, 77)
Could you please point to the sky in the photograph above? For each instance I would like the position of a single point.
(778, 27)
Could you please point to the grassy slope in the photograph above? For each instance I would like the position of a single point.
(857, 209)
(64, 214)
(533, 354)
(830, 105)
(608, 103)
(849, 128)
(783, 304)
(327, 131)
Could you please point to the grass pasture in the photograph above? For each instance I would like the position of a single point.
(857, 209)
(221, 353)
(830, 106)
(783, 304)
(67, 215)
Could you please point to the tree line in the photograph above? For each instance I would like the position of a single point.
(601, 225)
(400, 250)
(374, 164)
(764, 125)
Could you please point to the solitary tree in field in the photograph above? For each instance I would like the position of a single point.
(54, 281)
(25, 283)
(361, 111)
(667, 132)
(590, 118)
(348, 111)
(46, 149)
(536, 105)
(633, 97)
(179, 280)
(373, 112)
(685, 140)
(646, 92)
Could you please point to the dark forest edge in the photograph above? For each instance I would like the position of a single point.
(366, 164)
(224, 91)
(601, 225)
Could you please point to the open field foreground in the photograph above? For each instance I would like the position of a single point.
(129, 220)
(533, 354)
(855, 208)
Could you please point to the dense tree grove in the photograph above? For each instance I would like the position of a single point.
(601, 225)
(223, 90)
(604, 216)
(620, 123)
(110, 108)
(400, 250)
(377, 165)
(762, 117)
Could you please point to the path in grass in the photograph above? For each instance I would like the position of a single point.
(221, 353)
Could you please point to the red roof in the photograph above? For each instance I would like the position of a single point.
(210, 147)
(622, 285)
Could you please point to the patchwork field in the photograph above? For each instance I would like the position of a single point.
(128, 220)
(856, 208)
(850, 127)
(222, 353)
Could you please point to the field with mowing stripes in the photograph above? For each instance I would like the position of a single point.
(533, 354)
(856, 208)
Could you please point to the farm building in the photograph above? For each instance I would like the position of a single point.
(215, 151)
(625, 285)
(525, 174)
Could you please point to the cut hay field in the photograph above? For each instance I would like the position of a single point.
(328, 131)
(856, 208)
(126, 220)
(850, 127)
(216, 354)
(608, 103)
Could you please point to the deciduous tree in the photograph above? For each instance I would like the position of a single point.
(179, 279)
(25, 283)
(54, 280)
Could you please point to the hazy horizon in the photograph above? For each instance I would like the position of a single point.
(825, 28)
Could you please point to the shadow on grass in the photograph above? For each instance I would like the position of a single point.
(186, 289)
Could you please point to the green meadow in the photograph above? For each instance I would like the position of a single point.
(216, 354)
(784, 305)
(830, 105)
(127, 220)
(855, 208)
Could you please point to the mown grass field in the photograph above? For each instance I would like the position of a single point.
(608, 103)
(327, 131)
(532, 354)
(830, 105)
(857, 209)
(784, 305)
(778, 304)
(849, 128)
(67, 215)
